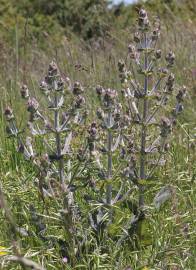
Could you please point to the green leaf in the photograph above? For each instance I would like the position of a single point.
(145, 182)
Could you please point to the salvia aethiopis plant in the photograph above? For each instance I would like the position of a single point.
(122, 147)
(105, 141)
(148, 85)
(53, 126)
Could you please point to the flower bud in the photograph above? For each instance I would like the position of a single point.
(93, 131)
(77, 89)
(109, 97)
(99, 90)
(170, 58)
(170, 83)
(79, 101)
(53, 69)
(163, 72)
(166, 147)
(32, 105)
(121, 65)
(178, 109)
(80, 155)
(166, 127)
(181, 94)
(158, 54)
(60, 84)
(8, 112)
(44, 86)
(65, 117)
(24, 91)
(142, 13)
(143, 19)
(155, 34)
(48, 125)
(132, 51)
(44, 161)
(20, 148)
(100, 114)
(137, 37)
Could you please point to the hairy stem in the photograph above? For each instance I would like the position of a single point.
(58, 144)
(109, 166)
(143, 131)
(67, 214)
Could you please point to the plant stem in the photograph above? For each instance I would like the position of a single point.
(143, 130)
(58, 144)
(68, 214)
(109, 169)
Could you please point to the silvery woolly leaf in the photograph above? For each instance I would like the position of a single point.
(134, 107)
(152, 121)
(160, 162)
(97, 159)
(162, 196)
(76, 118)
(67, 143)
(33, 131)
(22, 231)
(109, 122)
(29, 145)
(116, 143)
(153, 148)
(61, 101)
(26, 153)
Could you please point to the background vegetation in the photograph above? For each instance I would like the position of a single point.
(87, 38)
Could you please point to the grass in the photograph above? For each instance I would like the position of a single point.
(168, 235)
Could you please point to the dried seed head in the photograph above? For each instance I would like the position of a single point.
(32, 105)
(170, 58)
(8, 112)
(24, 91)
(77, 89)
